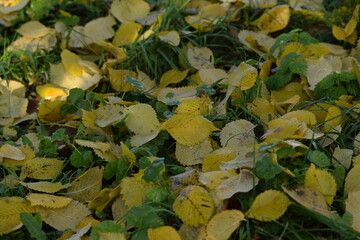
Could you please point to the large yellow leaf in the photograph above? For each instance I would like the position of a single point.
(71, 63)
(353, 207)
(210, 76)
(189, 130)
(281, 129)
(66, 217)
(195, 106)
(13, 6)
(310, 199)
(352, 180)
(12, 106)
(333, 118)
(41, 168)
(223, 224)
(86, 187)
(275, 19)
(321, 181)
(163, 233)
(194, 206)
(51, 92)
(214, 178)
(11, 152)
(268, 206)
(108, 114)
(50, 111)
(10, 209)
(238, 133)
(104, 197)
(126, 34)
(170, 37)
(182, 180)
(167, 95)
(117, 79)
(129, 10)
(134, 190)
(47, 200)
(41, 186)
(343, 156)
(33, 29)
(94, 145)
(200, 58)
(258, 42)
(192, 155)
(118, 208)
(172, 76)
(317, 69)
(302, 116)
(243, 77)
(100, 28)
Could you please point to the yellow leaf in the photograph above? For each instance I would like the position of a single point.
(50, 111)
(12, 106)
(163, 233)
(104, 197)
(100, 28)
(192, 155)
(10, 209)
(262, 108)
(86, 187)
(108, 114)
(268, 206)
(281, 129)
(196, 106)
(41, 168)
(118, 208)
(200, 58)
(214, 178)
(317, 69)
(88, 119)
(321, 181)
(223, 224)
(176, 94)
(242, 182)
(10, 181)
(238, 133)
(129, 10)
(315, 5)
(343, 156)
(194, 206)
(170, 37)
(172, 76)
(117, 79)
(66, 217)
(302, 116)
(310, 199)
(353, 207)
(47, 200)
(258, 42)
(111, 236)
(41, 186)
(352, 180)
(118, 53)
(134, 190)
(244, 76)
(188, 130)
(210, 76)
(71, 63)
(11, 152)
(51, 92)
(33, 29)
(182, 180)
(275, 19)
(213, 160)
(13, 6)
(126, 34)
(333, 118)
(94, 145)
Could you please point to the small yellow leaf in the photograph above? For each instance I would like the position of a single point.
(214, 178)
(213, 160)
(194, 206)
(223, 224)
(108, 114)
(170, 37)
(238, 133)
(111, 236)
(51, 92)
(210, 76)
(50, 111)
(333, 118)
(142, 119)
(268, 206)
(94, 145)
(129, 10)
(343, 156)
(118, 208)
(317, 69)
(100, 28)
(117, 79)
(302, 116)
(182, 180)
(13, 6)
(41, 186)
(310, 199)
(163, 233)
(352, 180)
(12, 106)
(11, 152)
(177, 94)
(41, 168)
(86, 187)
(189, 130)
(126, 34)
(196, 106)
(47, 200)
(207, 16)
(353, 207)
(200, 58)
(192, 155)
(10, 209)
(281, 129)
(244, 76)
(258, 42)
(275, 19)
(134, 190)
(66, 217)
(172, 76)
(104, 197)
(321, 181)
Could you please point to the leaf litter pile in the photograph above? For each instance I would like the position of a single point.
(133, 119)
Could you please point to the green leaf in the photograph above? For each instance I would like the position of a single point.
(118, 168)
(265, 168)
(284, 152)
(153, 172)
(76, 95)
(298, 67)
(33, 225)
(346, 220)
(140, 235)
(158, 193)
(339, 174)
(319, 159)
(106, 226)
(144, 217)
(47, 148)
(134, 82)
(81, 158)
